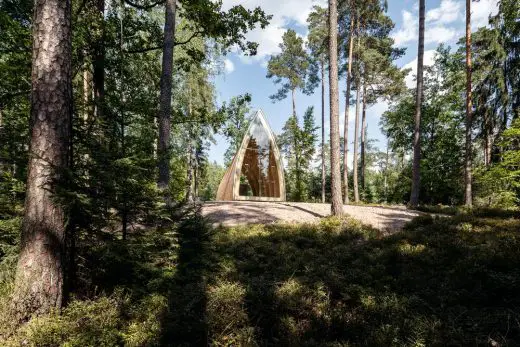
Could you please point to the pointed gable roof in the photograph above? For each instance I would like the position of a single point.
(256, 172)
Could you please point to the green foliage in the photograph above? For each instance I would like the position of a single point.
(341, 283)
(298, 145)
(499, 185)
(441, 131)
(236, 124)
(9, 243)
(227, 27)
(290, 66)
(317, 40)
(211, 181)
(338, 282)
(104, 321)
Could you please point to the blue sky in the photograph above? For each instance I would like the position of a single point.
(445, 20)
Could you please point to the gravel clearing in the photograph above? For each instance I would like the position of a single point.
(231, 213)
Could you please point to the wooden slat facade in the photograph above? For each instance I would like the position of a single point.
(263, 174)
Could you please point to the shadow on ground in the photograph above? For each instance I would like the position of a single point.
(442, 282)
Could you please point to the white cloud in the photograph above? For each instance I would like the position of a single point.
(439, 34)
(408, 30)
(229, 67)
(435, 31)
(480, 12)
(445, 22)
(284, 13)
(429, 57)
(449, 11)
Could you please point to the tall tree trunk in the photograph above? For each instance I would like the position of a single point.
(293, 97)
(189, 173)
(122, 101)
(469, 113)
(487, 139)
(416, 174)
(165, 100)
(387, 160)
(335, 157)
(296, 149)
(363, 136)
(323, 176)
(86, 94)
(196, 173)
(356, 142)
(347, 108)
(40, 271)
(98, 75)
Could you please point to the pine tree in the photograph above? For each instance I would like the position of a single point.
(351, 37)
(41, 267)
(317, 42)
(290, 66)
(416, 174)
(165, 99)
(468, 194)
(337, 201)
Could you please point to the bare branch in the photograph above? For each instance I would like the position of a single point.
(195, 34)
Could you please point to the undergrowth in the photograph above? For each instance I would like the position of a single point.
(440, 282)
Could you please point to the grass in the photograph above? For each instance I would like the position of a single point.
(440, 282)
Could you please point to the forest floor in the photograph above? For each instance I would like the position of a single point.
(233, 213)
(337, 282)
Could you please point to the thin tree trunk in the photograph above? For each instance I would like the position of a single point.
(323, 176)
(387, 160)
(189, 175)
(98, 76)
(487, 140)
(296, 149)
(416, 174)
(347, 109)
(469, 116)
(335, 157)
(363, 136)
(165, 100)
(86, 94)
(41, 265)
(356, 143)
(293, 96)
(196, 174)
(124, 212)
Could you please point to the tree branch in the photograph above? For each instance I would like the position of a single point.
(196, 33)
(176, 43)
(144, 7)
(142, 50)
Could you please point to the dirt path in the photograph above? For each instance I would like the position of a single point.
(249, 212)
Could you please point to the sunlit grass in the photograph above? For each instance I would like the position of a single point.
(441, 281)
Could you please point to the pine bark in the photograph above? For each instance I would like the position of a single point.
(356, 143)
(468, 195)
(347, 109)
(165, 99)
(416, 174)
(323, 176)
(41, 265)
(335, 157)
(363, 134)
